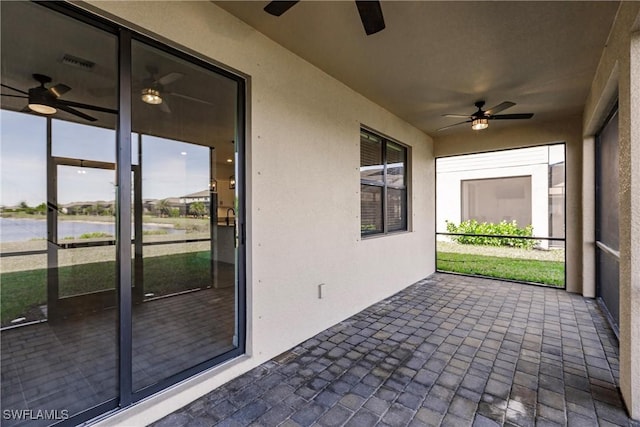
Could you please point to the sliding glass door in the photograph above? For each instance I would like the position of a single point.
(185, 141)
(122, 177)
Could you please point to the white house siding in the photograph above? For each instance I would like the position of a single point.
(533, 162)
(303, 186)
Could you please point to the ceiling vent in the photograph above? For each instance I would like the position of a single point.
(77, 62)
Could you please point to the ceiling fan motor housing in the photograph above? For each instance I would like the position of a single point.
(480, 113)
(41, 96)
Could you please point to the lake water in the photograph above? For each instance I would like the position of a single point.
(21, 229)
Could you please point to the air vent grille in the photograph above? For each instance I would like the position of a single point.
(78, 62)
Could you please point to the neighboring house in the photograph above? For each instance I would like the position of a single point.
(224, 195)
(523, 185)
(200, 196)
(188, 92)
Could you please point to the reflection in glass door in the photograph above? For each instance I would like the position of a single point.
(98, 312)
(84, 230)
(56, 358)
(184, 131)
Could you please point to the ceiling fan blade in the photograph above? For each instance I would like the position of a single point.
(15, 96)
(277, 8)
(164, 107)
(62, 102)
(190, 98)
(500, 107)
(59, 90)
(450, 126)
(13, 88)
(511, 116)
(371, 16)
(75, 112)
(459, 116)
(169, 78)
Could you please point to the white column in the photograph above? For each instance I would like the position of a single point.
(588, 218)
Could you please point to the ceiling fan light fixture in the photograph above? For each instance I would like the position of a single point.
(41, 101)
(480, 123)
(42, 108)
(151, 96)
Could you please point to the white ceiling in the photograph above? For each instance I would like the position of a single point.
(435, 58)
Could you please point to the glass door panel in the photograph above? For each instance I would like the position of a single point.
(61, 333)
(86, 233)
(184, 130)
(57, 357)
(176, 235)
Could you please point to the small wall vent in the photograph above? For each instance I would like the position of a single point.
(77, 62)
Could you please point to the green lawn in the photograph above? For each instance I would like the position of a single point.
(527, 270)
(24, 290)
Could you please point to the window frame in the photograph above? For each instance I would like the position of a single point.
(385, 185)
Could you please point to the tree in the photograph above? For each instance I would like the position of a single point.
(163, 208)
(41, 208)
(24, 207)
(197, 209)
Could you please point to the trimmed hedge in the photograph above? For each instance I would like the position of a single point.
(503, 228)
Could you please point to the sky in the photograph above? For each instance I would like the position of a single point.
(170, 168)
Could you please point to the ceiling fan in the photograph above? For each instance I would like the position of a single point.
(153, 89)
(46, 100)
(480, 119)
(370, 13)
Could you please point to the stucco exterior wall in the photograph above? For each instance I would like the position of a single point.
(618, 76)
(303, 186)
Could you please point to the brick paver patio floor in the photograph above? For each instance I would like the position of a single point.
(448, 350)
(72, 365)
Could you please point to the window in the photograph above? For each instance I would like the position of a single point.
(497, 199)
(383, 186)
